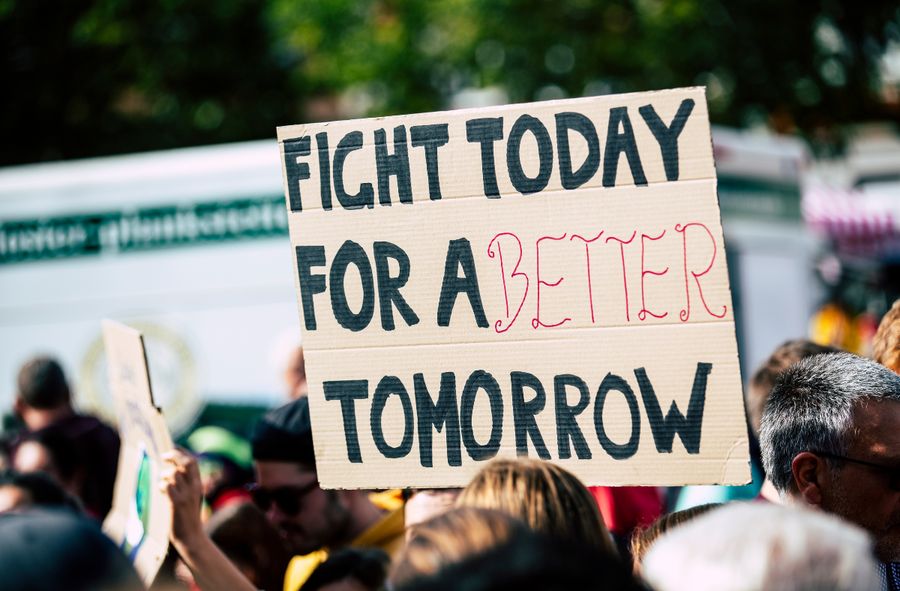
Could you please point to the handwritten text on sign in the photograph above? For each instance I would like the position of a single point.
(544, 280)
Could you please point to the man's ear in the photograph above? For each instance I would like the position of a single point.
(809, 471)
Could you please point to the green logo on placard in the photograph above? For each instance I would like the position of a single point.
(139, 509)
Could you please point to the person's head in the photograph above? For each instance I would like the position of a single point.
(41, 386)
(886, 344)
(350, 569)
(643, 539)
(760, 546)
(44, 550)
(451, 537)
(546, 497)
(247, 538)
(830, 438)
(288, 491)
(22, 491)
(53, 453)
(527, 560)
(762, 382)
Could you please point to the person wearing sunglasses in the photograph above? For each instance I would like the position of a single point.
(312, 521)
(830, 438)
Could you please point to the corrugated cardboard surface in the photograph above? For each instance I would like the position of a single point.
(644, 285)
(143, 431)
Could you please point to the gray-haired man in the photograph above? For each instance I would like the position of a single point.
(830, 438)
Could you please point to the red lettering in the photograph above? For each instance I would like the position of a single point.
(644, 272)
(587, 255)
(685, 314)
(536, 321)
(622, 244)
(498, 326)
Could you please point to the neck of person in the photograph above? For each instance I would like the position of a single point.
(365, 515)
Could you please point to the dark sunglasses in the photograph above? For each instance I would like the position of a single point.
(288, 499)
(892, 472)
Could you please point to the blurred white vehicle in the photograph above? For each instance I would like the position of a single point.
(189, 246)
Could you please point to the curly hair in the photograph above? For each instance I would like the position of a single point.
(886, 345)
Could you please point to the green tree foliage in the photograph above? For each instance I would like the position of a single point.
(91, 77)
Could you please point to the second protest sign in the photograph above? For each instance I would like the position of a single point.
(545, 280)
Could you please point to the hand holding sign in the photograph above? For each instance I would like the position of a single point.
(211, 569)
(180, 480)
(544, 280)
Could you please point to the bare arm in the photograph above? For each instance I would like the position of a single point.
(211, 568)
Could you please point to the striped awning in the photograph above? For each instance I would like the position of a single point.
(859, 222)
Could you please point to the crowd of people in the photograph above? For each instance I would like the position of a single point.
(822, 512)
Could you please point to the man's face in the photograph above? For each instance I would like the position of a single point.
(321, 518)
(862, 494)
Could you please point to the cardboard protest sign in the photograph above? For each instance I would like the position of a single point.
(141, 516)
(545, 279)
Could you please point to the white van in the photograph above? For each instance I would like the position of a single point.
(190, 246)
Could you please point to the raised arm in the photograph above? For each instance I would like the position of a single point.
(211, 568)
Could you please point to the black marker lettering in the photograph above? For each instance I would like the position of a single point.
(431, 137)
(689, 426)
(310, 285)
(396, 164)
(365, 197)
(481, 380)
(388, 386)
(438, 416)
(459, 253)
(524, 413)
(667, 137)
(295, 170)
(566, 427)
(348, 392)
(486, 131)
(579, 123)
(616, 143)
(523, 183)
(389, 287)
(324, 169)
(351, 253)
(615, 450)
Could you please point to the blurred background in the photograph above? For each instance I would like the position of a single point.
(140, 179)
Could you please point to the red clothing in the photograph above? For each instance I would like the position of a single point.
(627, 507)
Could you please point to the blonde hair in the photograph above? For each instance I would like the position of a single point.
(546, 497)
(450, 538)
(886, 344)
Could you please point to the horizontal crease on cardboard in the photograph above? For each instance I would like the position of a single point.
(539, 340)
